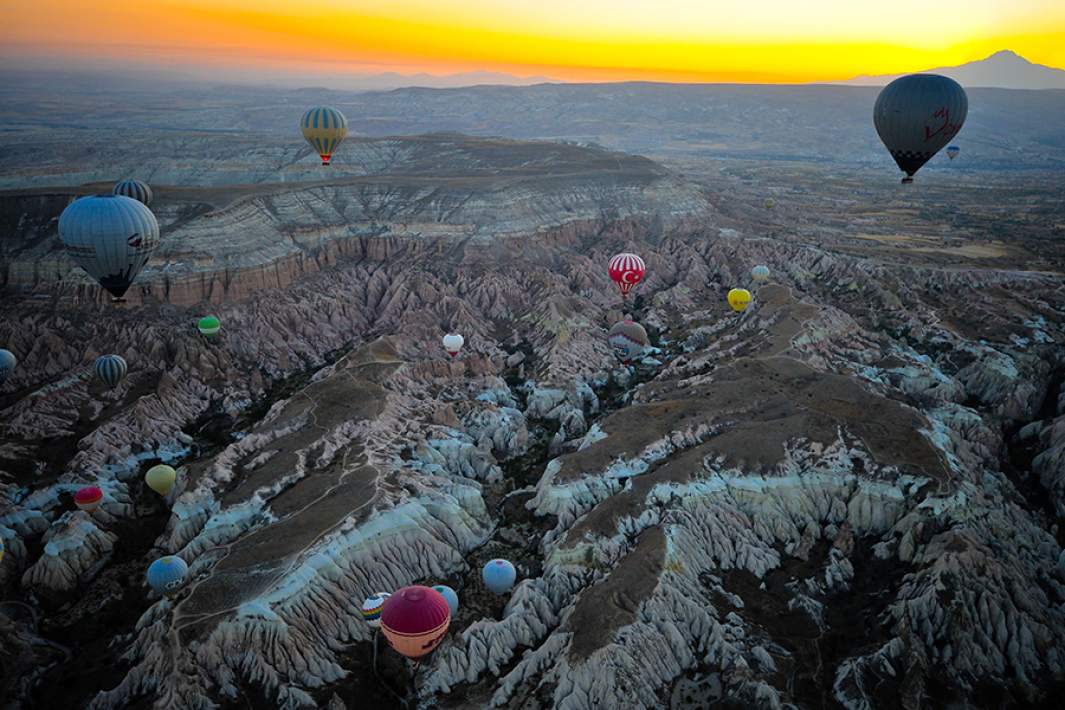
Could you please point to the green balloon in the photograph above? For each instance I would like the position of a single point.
(209, 325)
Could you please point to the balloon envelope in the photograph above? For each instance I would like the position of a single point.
(135, 189)
(450, 596)
(111, 369)
(918, 114)
(161, 478)
(499, 576)
(167, 574)
(209, 325)
(414, 620)
(760, 273)
(739, 298)
(628, 339)
(8, 361)
(372, 606)
(324, 127)
(88, 498)
(626, 270)
(111, 237)
(952, 151)
(453, 342)
(1, 549)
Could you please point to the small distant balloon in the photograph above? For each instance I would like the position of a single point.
(628, 339)
(111, 369)
(135, 189)
(414, 620)
(209, 326)
(626, 270)
(161, 478)
(916, 115)
(499, 576)
(324, 127)
(952, 151)
(88, 498)
(769, 203)
(8, 362)
(739, 299)
(760, 273)
(1, 549)
(167, 574)
(453, 343)
(450, 596)
(371, 608)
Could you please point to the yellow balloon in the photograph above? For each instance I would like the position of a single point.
(739, 298)
(324, 127)
(161, 478)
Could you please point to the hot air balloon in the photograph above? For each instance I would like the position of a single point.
(1, 549)
(739, 298)
(167, 574)
(626, 270)
(453, 343)
(111, 369)
(499, 576)
(111, 237)
(8, 361)
(324, 127)
(160, 478)
(136, 189)
(209, 326)
(414, 620)
(760, 273)
(88, 498)
(918, 114)
(450, 596)
(629, 340)
(371, 608)
(952, 151)
(769, 203)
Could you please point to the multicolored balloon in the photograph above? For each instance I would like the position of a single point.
(626, 270)
(167, 574)
(161, 478)
(952, 151)
(371, 608)
(499, 576)
(628, 339)
(111, 369)
(1, 549)
(88, 498)
(324, 127)
(739, 299)
(8, 362)
(918, 114)
(414, 620)
(209, 326)
(135, 189)
(450, 596)
(760, 273)
(111, 237)
(453, 343)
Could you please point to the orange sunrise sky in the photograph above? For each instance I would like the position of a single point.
(569, 40)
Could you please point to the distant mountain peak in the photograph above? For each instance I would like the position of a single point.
(1004, 69)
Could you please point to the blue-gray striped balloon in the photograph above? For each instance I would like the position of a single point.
(324, 127)
(917, 115)
(8, 361)
(136, 189)
(111, 237)
(111, 369)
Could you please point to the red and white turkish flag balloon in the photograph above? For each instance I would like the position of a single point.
(626, 270)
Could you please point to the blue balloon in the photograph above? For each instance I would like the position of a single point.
(167, 574)
(499, 576)
(450, 596)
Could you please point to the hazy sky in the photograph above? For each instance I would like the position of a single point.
(672, 40)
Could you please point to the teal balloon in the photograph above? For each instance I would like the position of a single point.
(8, 361)
(167, 574)
(450, 596)
(499, 576)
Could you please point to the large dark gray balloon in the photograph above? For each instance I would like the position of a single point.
(918, 114)
(111, 237)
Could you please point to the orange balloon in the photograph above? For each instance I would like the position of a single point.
(414, 620)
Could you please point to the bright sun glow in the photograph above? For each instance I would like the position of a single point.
(671, 40)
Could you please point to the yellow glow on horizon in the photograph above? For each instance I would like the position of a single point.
(671, 40)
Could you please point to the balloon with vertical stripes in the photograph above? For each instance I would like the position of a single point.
(111, 369)
(8, 361)
(324, 127)
(135, 189)
(626, 270)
